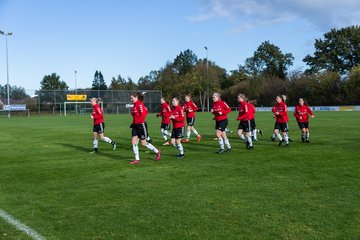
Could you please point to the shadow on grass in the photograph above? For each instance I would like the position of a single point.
(87, 150)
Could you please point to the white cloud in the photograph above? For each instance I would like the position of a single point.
(324, 14)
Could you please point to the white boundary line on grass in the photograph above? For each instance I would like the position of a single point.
(20, 226)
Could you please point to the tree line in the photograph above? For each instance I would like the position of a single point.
(332, 76)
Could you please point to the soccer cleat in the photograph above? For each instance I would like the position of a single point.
(303, 139)
(261, 132)
(221, 151)
(272, 139)
(149, 140)
(158, 156)
(281, 142)
(185, 141)
(135, 162)
(249, 147)
(114, 146)
(307, 141)
(166, 143)
(228, 150)
(94, 151)
(199, 138)
(180, 156)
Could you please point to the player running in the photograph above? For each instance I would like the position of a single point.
(220, 110)
(302, 111)
(139, 128)
(244, 118)
(252, 112)
(190, 108)
(178, 121)
(280, 112)
(165, 120)
(99, 125)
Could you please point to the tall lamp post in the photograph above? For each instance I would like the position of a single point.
(7, 67)
(76, 107)
(207, 79)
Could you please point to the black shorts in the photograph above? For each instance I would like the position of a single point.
(177, 133)
(140, 130)
(282, 126)
(100, 128)
(165, 126)
(252, 124)
(303, 125)
(221, 125)
(245, 126)
(190, 121)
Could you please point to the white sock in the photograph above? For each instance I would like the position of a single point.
(195, 132)
(164, 134)
(181, 149)
(254, 133)
(279, 136)
(286, 138)
(242, 137)
(250, 141)
(221, 143)
(106, 139)
(136, 151)
(188, 134)
(273, 136)
(307, 136)
(227, 143)
(95, 143)
(167, 133)
(151, 147)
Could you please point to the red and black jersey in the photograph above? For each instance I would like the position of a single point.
(281, 108)
(139, 112)
(165, 113)
(243, 111)
(179, 120)
(302, 113)
(220, 109)
(252, 111)
(190, 108)
(97, 114)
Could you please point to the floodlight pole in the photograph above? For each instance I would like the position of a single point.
(76, 106)
(7, 67)
(207, 80)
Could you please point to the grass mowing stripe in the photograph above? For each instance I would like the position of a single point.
(20, 226)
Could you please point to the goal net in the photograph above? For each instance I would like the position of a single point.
(79, 107)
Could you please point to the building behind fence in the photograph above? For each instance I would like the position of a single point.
(114, 101)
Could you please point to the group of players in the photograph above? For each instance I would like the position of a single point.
(177, 115)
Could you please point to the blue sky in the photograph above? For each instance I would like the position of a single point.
(132, 38)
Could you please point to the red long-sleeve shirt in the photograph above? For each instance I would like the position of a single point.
(281, 108)
(302, 113)
(190, 108)
(220, 109)
(178, 113)
(139, 112)
(252, 111)
(165, 113)
(243, 112)
(97, 114)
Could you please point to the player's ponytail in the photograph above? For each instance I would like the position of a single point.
(283, 97)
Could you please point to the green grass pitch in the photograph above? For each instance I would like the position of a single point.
(50, 182)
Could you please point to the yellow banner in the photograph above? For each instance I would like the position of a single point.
(76, 97)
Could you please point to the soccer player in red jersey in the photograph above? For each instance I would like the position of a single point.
(281, 115)
(252, 112)
(99, 125)
(139, 128)
(244, 118)
(190, 108)
(220, 110)
(178, 121)
(165, 119)
(301, 113)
